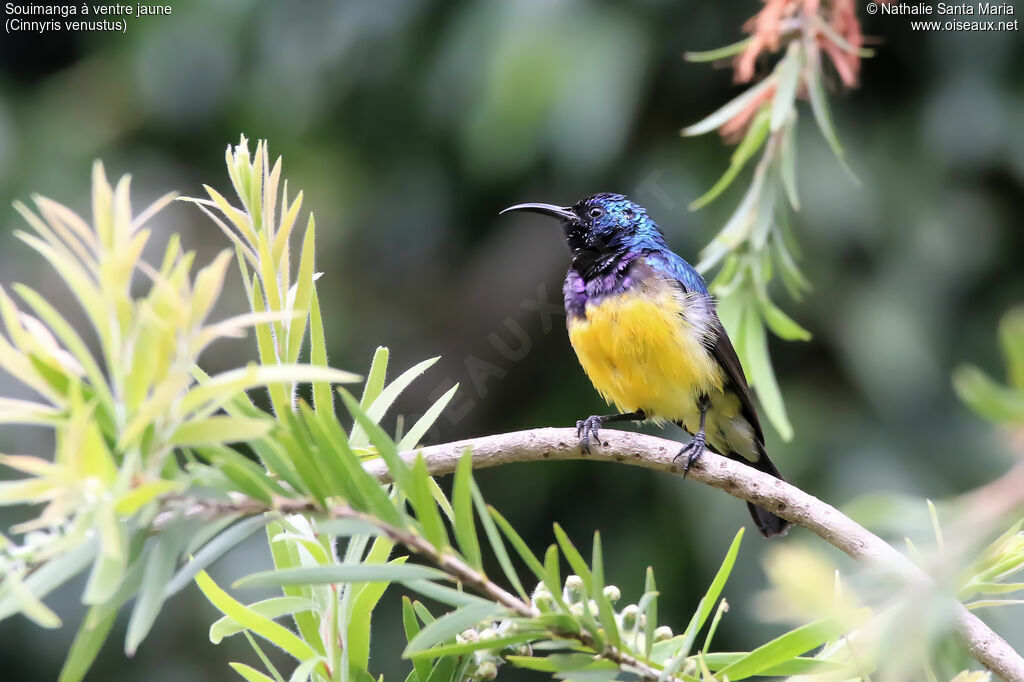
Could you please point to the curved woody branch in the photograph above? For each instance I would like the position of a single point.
(741, 481)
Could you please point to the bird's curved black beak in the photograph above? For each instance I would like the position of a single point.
(560, 212)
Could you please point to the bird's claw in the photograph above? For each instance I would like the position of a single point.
(692, 450)
(585, 428)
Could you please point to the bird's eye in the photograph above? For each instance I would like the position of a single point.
(628, 213)
(596, 212)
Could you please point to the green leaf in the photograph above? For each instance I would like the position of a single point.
(717, 53)
(412, 628)
(367, 494)
(267, 663)
(528, 557)
(50, 576)
(423, 424)
(144, 493)
(26, 412)
(286, 555)
(212, 551)
(304, 671)
(441, 499)
(443, 594)
(604, 606)
(70, 339)
(249, 673)
(386, 397)
(787, 161)
(89, 639)
(753, 139)
(304, 287)
(727, 112)
(268, 351)
(560, 663)
(494, 537)
(782, 324)
(29, 604)
(250, 478)
(268, 608)
(718, 583)
(426, 510)
(795, 281)
(340, 573)
(988, 603)
(737, 229)
(723, 606)
(648, 610)
(784, 649)
(575, 559)
(448, 626)
(322, 476)
(462, 501)
(496, 644)
(217, 430)
(111, 562)
(260, 625)
(989, 399)
(362, 600)
(375, 377)
(444, 671)
(1011, 342)
(323, 396)
(398, 469)
(159, 569)
(226, 385)
(761, 374)
(819, 106)
(346, 527)
(788, 69)
(993, 588)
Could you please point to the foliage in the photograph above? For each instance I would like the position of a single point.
(986, 396)
(146, 487)
(757, 239)
(145, 476)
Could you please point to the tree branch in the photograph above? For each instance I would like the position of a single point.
(471, 578)
(735, 478)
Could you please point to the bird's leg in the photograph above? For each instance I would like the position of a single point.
(695, 448)
(591, 426)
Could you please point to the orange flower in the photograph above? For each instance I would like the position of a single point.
(779, 16)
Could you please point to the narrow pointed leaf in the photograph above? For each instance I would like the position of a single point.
(341, 573)
(448, 626)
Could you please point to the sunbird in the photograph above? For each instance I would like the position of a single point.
(647, 333)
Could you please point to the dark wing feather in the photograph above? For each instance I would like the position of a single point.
(726, 356)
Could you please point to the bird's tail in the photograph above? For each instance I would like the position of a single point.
(768, 523)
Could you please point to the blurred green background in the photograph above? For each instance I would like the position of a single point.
(410, 124)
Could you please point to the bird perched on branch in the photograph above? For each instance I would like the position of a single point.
(646, 331)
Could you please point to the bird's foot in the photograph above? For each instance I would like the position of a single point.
(692, 451)
(585, 428)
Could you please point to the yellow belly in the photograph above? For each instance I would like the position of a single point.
(641, 354)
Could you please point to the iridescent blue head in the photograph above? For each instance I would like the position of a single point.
(602, 228)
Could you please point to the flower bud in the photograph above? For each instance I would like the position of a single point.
(612, 593)
(543, 600)
(662, 633)
(629, 617)
(488, 670)
(573, 589)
